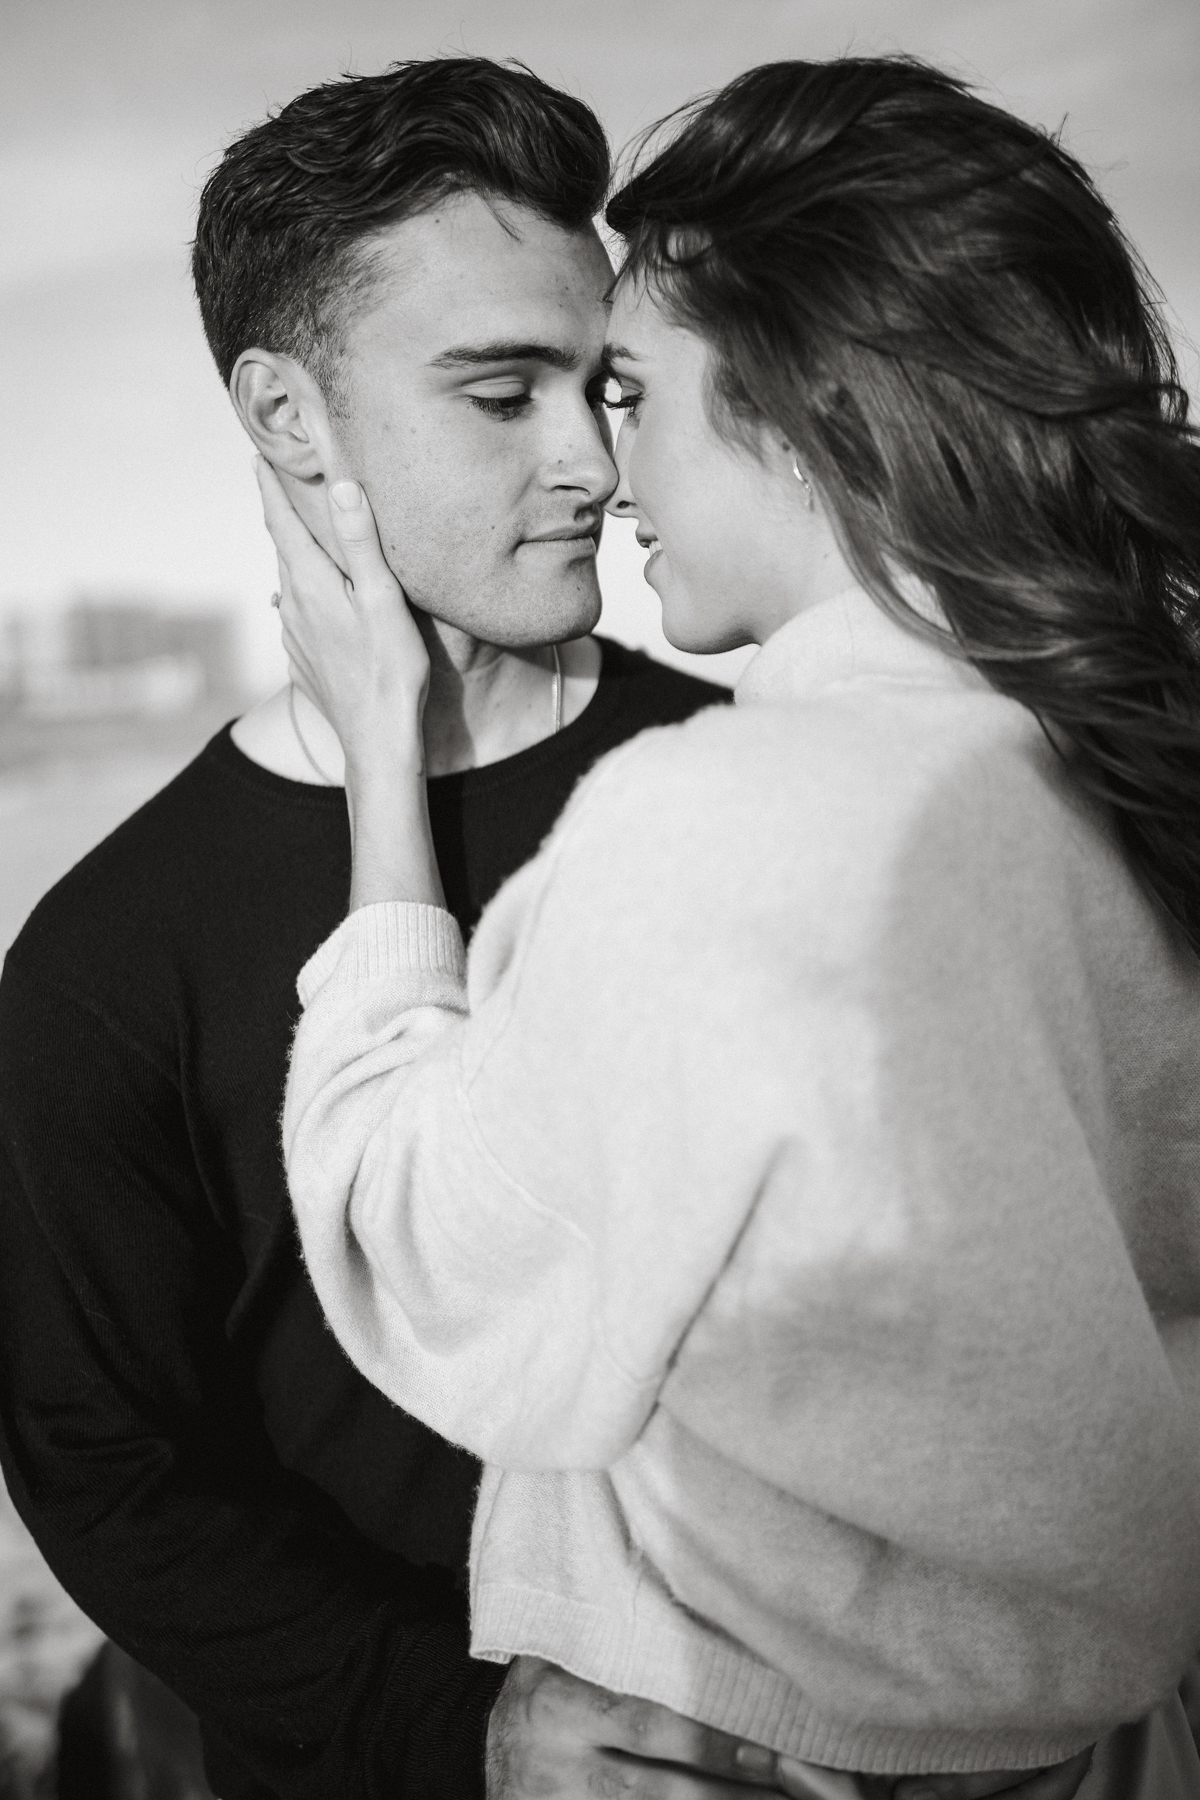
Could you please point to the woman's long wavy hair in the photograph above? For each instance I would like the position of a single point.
(932, 302)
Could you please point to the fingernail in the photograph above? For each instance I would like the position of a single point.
(754, 1759)
(346, 495)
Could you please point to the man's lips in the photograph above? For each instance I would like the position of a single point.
(573, 536)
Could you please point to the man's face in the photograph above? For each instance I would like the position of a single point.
(472, 379)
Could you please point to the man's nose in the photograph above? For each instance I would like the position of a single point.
(587, 463)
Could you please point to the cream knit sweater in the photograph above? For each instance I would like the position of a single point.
(796, 1204)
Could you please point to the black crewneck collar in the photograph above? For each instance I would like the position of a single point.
(563, 746)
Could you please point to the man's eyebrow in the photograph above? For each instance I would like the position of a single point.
(474, 356)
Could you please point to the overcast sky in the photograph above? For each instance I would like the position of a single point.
(123, 468)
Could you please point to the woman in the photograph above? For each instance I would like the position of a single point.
(793, 1200)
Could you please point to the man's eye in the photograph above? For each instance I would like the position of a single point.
(500, 406)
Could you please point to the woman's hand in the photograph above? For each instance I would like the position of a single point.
(353, 647)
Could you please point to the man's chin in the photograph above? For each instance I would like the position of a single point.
(522, 615)
(581, 618)
(561, 606)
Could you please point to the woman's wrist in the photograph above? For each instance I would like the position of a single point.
(390, 834)
(390, 753)
(394, 772)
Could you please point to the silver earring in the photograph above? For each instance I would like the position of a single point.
(804, 482)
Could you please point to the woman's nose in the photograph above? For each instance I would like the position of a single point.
(620, 502)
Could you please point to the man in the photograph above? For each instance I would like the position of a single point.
(399, 280)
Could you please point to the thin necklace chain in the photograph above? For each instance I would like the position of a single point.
(328, 781)
(557, 690)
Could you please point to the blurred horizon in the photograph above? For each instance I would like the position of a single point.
(125, 473)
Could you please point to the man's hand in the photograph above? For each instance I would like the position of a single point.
(1061, 1782)
(554, 1737)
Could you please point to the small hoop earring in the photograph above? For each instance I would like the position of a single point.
(805, 483)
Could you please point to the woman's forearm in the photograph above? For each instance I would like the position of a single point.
(390, 835)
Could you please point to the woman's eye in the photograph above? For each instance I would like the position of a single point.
(618, 400)
(500, 406)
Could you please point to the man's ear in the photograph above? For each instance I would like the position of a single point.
(284, 413)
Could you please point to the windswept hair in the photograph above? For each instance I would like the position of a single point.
(287, 218)
(932, 302)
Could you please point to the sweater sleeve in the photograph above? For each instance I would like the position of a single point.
(133, 1446)
(480, 1260)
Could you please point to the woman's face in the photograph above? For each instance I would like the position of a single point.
(735, 549)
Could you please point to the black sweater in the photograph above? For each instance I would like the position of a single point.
(201, 1466)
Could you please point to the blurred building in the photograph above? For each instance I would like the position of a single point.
(114, 658)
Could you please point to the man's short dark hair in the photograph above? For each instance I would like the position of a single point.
(287, 216)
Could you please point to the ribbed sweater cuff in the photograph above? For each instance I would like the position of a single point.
(394, 937)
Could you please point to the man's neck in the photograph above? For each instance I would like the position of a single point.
(485, 703)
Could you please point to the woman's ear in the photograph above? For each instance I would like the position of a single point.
(284, 413)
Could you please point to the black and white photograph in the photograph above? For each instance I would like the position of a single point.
(600, 900)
